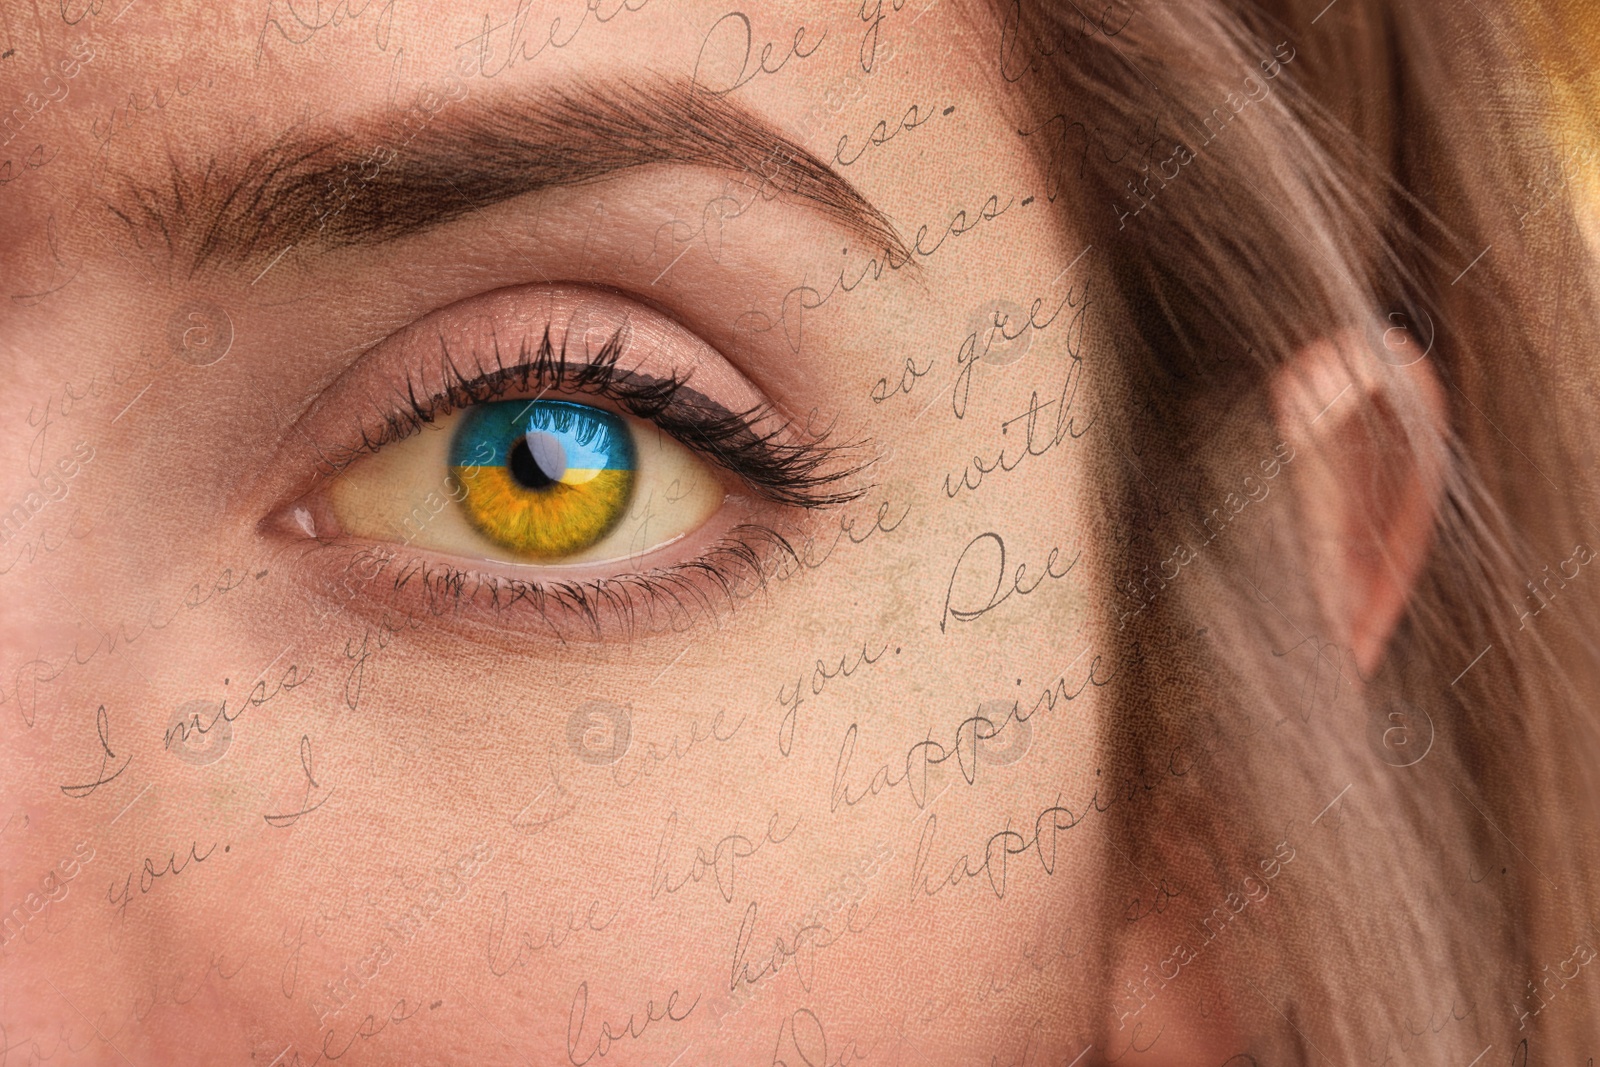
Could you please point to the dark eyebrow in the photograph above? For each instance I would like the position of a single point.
(378, 179)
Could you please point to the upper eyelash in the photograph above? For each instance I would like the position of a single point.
(805, 471)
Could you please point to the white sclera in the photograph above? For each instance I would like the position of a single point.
(407, 494)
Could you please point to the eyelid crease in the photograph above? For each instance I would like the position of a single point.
(758, 444)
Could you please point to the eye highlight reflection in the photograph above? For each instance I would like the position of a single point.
(543, 478)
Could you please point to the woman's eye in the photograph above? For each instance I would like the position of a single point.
(544, 446)
(529, 481)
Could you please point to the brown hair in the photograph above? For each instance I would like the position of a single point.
(1257, 177)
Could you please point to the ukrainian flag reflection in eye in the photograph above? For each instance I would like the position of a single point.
(543, 478)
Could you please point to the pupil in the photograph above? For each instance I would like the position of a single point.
(525, 468)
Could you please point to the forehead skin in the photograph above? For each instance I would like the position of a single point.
(399, 855)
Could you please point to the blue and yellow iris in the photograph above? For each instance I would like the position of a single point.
(544, 479)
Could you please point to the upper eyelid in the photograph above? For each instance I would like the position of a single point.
(579, 340)
(785, 471)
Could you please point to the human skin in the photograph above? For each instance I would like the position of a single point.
(407, 801)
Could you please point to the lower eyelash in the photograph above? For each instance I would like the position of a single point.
(672, 598)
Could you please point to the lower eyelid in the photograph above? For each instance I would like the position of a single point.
(397, 587)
